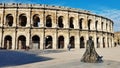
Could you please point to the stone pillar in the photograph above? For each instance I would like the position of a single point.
(27, 40)
(77, 41)
(95, 40)
(13, 42)
(106, 45)
(66, 41)
(101, 42)
(42, 40)
(54, 42)
(112, 42)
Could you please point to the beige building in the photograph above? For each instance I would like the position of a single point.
(51, 27)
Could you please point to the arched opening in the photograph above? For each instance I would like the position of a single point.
(48, 21)
(98, 43)
(35, 42)
(21, 42)
(9, 20)
(103, 42)
(96, 25)
(60, 42)
(89, 24)
(72, 41)
(80, 23)
(22, 20)
(71, 25)
(106, 26)
(8, 42)
(118, 42)
(36, 21)
(102, 26)
(108, 42)
(82, 43)
(48, 43)
(60, 22)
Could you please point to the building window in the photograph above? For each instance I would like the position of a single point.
(80, 23)
(22, 20)
(36, 21)
(60, 22)
(89, 24)
(71, 25)
(48, 21)
(9, 20)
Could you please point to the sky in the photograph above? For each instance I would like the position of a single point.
(107, 8)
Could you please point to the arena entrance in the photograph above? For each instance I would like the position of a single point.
(48, 42)
(8, 42)
(21, 42)
(35, 42)
(82, 43)
(72, 42)
(98, 43)
(61, 42)
(103, 42)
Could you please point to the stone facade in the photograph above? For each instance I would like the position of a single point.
(51, 27)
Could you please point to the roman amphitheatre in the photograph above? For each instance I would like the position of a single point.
(41, 27)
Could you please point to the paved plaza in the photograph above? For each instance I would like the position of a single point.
(57, 59)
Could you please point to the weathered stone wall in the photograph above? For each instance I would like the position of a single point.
(10, 13)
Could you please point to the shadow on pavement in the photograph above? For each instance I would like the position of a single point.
(14, 58)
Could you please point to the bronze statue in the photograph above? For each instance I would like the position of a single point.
(90, 54)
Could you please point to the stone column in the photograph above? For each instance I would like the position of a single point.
(13, 42)
(106, 41)
(101, 42)
(95, 40)
(54, 41)
(66, 41)
(77, 40)
(27, 40)
(42, 40)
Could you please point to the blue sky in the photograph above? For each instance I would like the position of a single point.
(107, 8)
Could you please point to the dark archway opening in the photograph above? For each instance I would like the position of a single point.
(48, 43)
(9, 20)
(80, 23)
(103, 42)
(35, 42)
(60, 22)
(89, 24)
(82, 43)
(102, 26)
(71, 25)
(96, 25)
(98, 43)
(61, 42)
(21, 42)
(72, 42)
(36, 21)
(8, 42)
(48, 21)
(22, 20)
